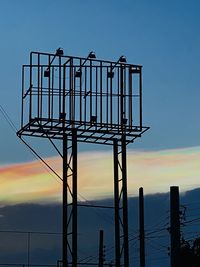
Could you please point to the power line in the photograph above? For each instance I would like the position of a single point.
(8, 119)
(30, 232)
(14, 128)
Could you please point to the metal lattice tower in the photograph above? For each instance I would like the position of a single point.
(76, 100)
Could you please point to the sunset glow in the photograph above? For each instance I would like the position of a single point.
(156, 171)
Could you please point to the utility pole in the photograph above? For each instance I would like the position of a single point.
(101, 252)
(175, 226)
(141, 223)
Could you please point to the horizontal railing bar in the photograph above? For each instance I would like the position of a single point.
(84, 58)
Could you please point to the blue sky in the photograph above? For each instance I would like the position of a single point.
(163, 36)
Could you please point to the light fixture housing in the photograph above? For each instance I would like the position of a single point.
(78, 74)
(111, 74)
(47, 73)
(122, 59)
(93, 119)
(91, 55)
(59, 52)
(124, 121)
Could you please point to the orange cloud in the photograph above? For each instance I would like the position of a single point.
(156, 171)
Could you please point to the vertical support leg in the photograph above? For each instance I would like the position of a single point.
(74, 198)
(69, 257)
(125, 203)
(116, 199)
(121, 204)
(64, 225)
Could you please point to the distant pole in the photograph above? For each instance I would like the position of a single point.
(175, 226)
(141, 223)
(29, 244)
(101, 256)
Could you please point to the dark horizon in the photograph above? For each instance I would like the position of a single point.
(47, 219)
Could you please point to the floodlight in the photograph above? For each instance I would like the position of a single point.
(91, 55)
(78, 73)
(47, 73)
(62, 116)
(110, 74)
(59, 52)
(124, 121)
(122, 59)
(93, 119)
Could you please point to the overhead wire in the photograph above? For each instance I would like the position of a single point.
(34, 153)
(7, 118)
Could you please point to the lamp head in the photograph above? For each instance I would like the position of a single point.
(59, 52)
(91, 55)
(122, 59)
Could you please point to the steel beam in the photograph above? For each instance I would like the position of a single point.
(64, 206)
(116, 203)
(74, 198)
(125, 203)
(121, 204)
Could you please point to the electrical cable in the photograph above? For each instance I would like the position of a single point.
(14, 128)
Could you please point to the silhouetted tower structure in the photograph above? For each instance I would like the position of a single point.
(87, 100)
